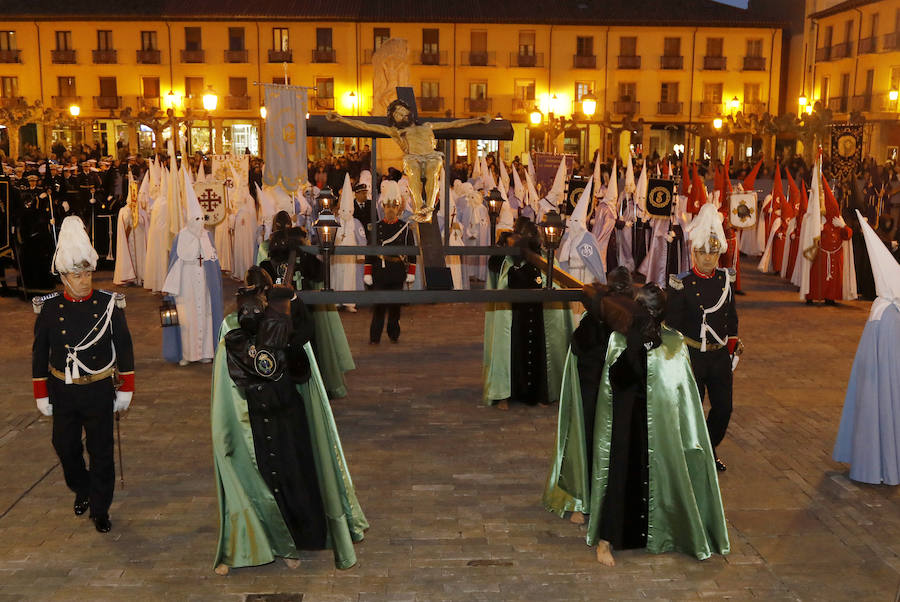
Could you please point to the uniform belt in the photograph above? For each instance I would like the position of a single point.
(84, 380)
(696, 344)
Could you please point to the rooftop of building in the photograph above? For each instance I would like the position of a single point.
(841, 7)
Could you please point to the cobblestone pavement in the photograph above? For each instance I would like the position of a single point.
(452, 488)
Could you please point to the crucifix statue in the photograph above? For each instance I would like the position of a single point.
(421, 162)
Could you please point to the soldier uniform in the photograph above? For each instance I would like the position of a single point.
(389, 272)
(702, 308)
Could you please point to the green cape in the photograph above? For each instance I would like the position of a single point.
(685, 505)
(332, 349)
(251, 529)
(496, 368)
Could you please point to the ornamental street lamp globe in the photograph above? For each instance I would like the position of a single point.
(717, 123)
(588, 105)
(551, 230)
(74, 110)
(536, 117)
(263, 112)
(326, 199)
(210, 100)
(326, 227)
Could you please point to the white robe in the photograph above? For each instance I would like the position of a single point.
(186, 281)
(347, 270)
(477, 233)
(223, 236)
(244, 243)
(131, 248)
(157, 260)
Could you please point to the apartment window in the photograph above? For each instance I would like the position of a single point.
(628, 46)
(192, 40)
(8, 40)
(870, 82)
(524, 89)
(280, 40)
(848, 31)
(826, 39)
(65, 85)
(582, 89)
(150, 87)
(478, 90)
(584, 46)
(714, 47)
(752, 93)
(431, 89)
(148, 40)
(478, 40)
(627, 91)
(193, 87)
(284, 81)
(845, 84)
(108, 88)
(380, 35)
(235, 38)
(823, 90)
(324, 87)
(712, 93)
(873, 26)
(672, 47)
(237, 86)
(897, 20)
(9, 87)
(104, 39)
(526, 43)
(431, 41)
(323, 39)
(668, 92)
(754, 47)
(895, 78)
(64, 40)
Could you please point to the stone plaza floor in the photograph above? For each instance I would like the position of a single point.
(452, 488)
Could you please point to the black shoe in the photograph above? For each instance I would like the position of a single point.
(102, 524)
(830, 302)
(393, 340)
(742, 293)
(374, 342)
(82, 503)
(809, 301)
(720, 466)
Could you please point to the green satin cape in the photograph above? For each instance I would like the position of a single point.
(685, 504)
(251, 529)
(332, 348)
(496, 368)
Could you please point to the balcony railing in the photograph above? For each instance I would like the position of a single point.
(148, 57)
(754, 108)
(868, 45)
(838, 104)
(477, 105)
(887, 104)
(669, 108)
(710, 109)
(517, 59)
(322, 103)
(107, 102)
(324, 55)
(627, 107)
(64, 102)
(841, 51)
(193, 56)
(861, 102)
(671, 62)
(237, 103)
(892, 41)
(430, 104)
(236, 56)
(523, 105)
(10, 56)
(477, 59)
(584, 61)
(64, 57)
(629, 62)
(193, 102)
(432, 58)
(823, 54)
(9, 102)
(714, 63)
(281, 56)
(105, 57)
(149, 102)
(754, 63)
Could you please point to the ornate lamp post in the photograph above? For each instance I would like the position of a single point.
(551, 229)
(494, 203)
(326, 227)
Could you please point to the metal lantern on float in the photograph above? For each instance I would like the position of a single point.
(168, 313)
(326, 199)
(326, 228)
(495, 203)
(551, 228)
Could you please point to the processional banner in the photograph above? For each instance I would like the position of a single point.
(545, 167)
(221, 171)
(285, 136)
(846, 148)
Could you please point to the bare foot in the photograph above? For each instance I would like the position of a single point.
(503, 404)
(292, 563)
(222, 570)
(577, 518)
(604, 554)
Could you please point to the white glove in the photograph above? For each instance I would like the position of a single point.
(123, 400)
(838, 222)
(44, 406)
(410, 278)
(367, 279)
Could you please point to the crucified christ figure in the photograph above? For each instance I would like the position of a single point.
(416, 140)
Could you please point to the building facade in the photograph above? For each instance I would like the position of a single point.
(656, 82)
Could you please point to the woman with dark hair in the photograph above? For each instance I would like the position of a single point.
(635, 456)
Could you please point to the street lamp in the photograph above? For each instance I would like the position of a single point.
(74, 110)
(717, 123)
(326, 199)
(588, 105)
(536, 117)
(262, 111)
(735, 103)
(326, 227)
(551, 229)
(210, 102)
(802, 101)
(893, 94)
(495, 203)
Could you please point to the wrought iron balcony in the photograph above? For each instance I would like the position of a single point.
(754, 108)
(10, 56)
(823, 54)
(892, 41)
(107, 102)
(523, 105)
(626, 107)
(105, 57)
(64, 57)
(629, 61)
(517, 59)
(477, 59)
(671, 62)
(714, 63)
(430, 104)
(324, 55)
(432, 58)
(669, 108)
(710, 109)
(868, 45)
(584, 61)
(236, 56)
(322, 103)
(841, 51)
(281, 56)
(861, 102)
(237, 103)
(838, 104)
(10, 102)
(754, 63)
(193, 56)
(148, 57)
(149, 102)
(64, 102)
(477, 105)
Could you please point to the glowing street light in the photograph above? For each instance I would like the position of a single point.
(717, 123)
(210, 100)
(802, 101)
(734, 103)
(536, 117)
(262, 111)
(171, 100)
(893, 94)
(588, 105)
(74, 110)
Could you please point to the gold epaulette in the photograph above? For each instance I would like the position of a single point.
(675, 282)
(120, 298)
(37, 303)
